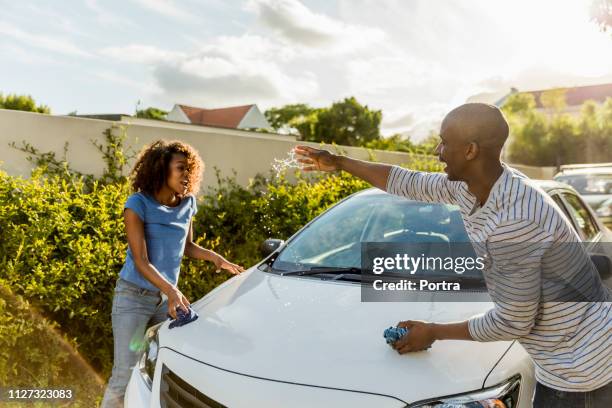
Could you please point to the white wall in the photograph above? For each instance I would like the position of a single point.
(248, 153)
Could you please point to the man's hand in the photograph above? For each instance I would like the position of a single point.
(316, 159)
(420, 337)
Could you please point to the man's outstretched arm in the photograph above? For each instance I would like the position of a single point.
(415, 185)
(321, 160)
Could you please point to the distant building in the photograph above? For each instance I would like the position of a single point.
(235, 117)
(574, 97)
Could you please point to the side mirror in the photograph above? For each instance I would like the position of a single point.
(270, 245)
(603, 265)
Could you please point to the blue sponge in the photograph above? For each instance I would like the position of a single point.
(393, 334)
(182, 317)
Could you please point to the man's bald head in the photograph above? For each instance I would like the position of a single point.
(471, 140)
(478, 122)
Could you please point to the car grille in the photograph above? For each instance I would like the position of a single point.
(175, 392)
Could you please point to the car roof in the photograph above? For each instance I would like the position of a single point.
(546, 185)
(605, 202)
(590, 170)
(549, 185)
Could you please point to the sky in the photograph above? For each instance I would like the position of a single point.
(413, 59)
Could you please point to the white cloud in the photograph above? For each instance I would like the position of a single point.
(54, 44)
(415, 121)
(298, 24)
(437, 54)
(233, 70)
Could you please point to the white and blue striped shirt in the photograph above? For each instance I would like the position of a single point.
(534, 260)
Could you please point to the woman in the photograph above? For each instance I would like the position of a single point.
(158, 222)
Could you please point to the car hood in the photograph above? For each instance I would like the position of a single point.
(315, 332)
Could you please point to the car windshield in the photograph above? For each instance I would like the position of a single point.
(334, 239)
(592, 183)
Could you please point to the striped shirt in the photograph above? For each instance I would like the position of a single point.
(546, 293)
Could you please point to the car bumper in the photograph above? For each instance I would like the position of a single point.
(236, 390)
(137, 394)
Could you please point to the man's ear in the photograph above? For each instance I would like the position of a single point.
(472, 150)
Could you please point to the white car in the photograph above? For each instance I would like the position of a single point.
(592, 181)
(269, 338)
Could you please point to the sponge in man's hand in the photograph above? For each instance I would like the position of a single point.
(393, 334)
(182, 317)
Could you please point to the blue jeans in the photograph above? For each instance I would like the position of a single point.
(546, 397)
(134, 310)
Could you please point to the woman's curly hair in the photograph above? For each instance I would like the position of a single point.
(152, 166)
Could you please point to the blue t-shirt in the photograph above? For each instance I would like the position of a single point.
(165, 231)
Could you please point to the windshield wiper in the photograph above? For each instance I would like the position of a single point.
(316, 270)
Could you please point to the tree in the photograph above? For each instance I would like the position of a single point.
(601, 13)
(22, 103)
(151, 113)
(283, 119)
(595, 130)
(518, 103)
(346, 122)
(554, 99)
(396, 142)
(555, 138)
(427, 145)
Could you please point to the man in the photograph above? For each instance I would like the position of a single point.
(535, 258)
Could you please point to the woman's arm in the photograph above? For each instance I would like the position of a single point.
(134, 228)
(193, 250)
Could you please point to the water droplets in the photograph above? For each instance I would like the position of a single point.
(279, 166)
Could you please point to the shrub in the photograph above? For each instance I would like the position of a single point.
(33, 354)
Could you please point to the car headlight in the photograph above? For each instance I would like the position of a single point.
(147, 361)
(504, 395)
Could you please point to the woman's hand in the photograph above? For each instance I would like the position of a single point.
(176, 299)
(222, 263)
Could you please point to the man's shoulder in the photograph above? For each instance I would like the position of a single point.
(518, 188)
(515, 172)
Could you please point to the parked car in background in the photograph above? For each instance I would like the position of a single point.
(604, 212)
(287, 334)
(592, 181)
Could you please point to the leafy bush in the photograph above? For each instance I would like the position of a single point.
(33, 354)
(62, 248)
(22, 103)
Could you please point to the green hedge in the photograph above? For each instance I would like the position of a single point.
(33, 353)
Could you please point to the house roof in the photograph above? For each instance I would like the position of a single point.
(224, 117)
(574, 96)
